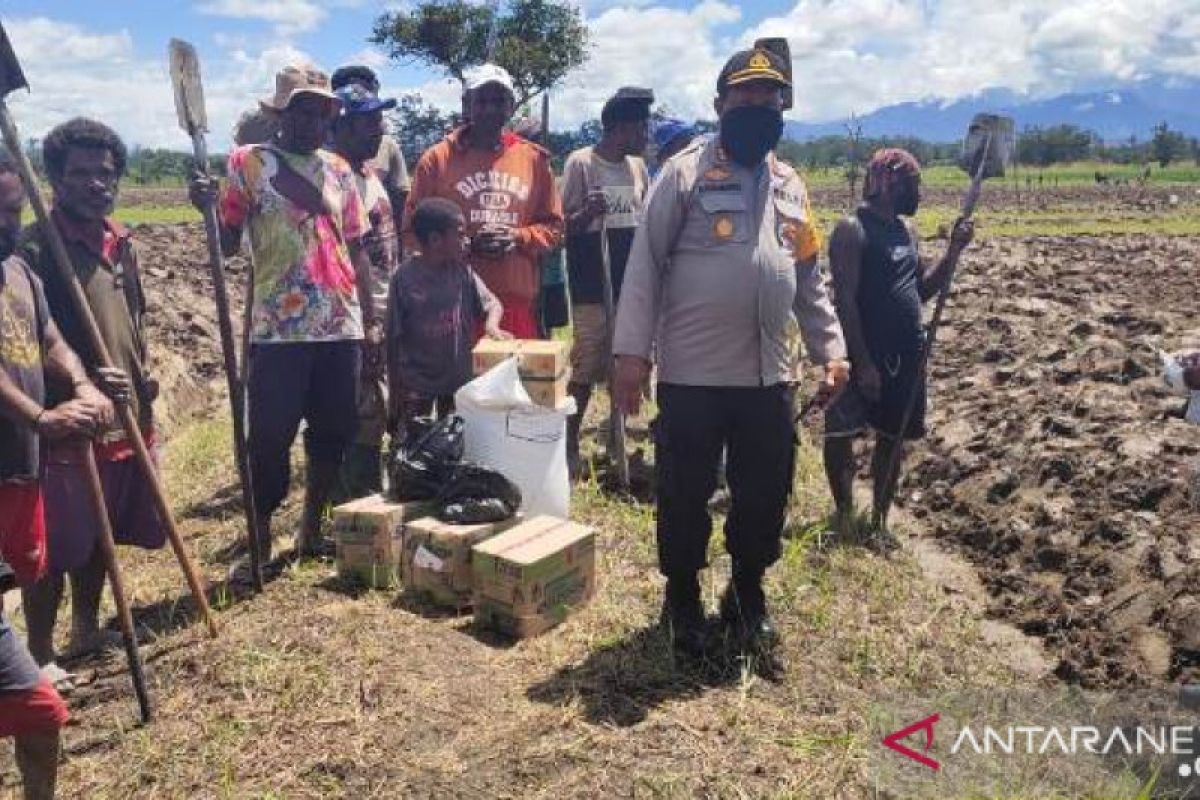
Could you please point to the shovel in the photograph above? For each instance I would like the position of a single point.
(987, 152)
(193, 118)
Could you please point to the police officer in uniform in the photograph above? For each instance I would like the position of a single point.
(725, 257)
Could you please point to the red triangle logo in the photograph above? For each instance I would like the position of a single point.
(892, 740)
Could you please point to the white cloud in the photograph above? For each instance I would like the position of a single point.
(75, 72)
(849, 55)
(368, 57)
(859, 55)
(671, 50)
(286, 15)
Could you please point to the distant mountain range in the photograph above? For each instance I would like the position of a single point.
(1114, 114)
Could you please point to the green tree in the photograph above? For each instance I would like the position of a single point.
(418, 125)
(1167, 145)
(537, 41)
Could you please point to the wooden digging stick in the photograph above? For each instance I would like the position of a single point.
(108, 549)
(193, 118)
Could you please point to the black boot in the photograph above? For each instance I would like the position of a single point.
(683, 614)
(582, 393)
(744, 612)
(322, 475)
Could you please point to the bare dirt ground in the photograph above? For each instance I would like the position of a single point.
(1059, 462)
(181, 320)
(1057, 467)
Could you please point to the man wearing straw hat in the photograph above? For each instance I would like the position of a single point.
(313, 305)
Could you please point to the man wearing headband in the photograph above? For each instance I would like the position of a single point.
(602, 190)
(880, 282)
(725, 258)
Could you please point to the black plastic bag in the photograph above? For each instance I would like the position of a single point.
(477, 494)
(425, 462)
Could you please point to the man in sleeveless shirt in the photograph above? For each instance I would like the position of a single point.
(880, 282)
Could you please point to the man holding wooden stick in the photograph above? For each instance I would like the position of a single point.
(603, 189)
(880, 282)
(313, 304)
(85, 161)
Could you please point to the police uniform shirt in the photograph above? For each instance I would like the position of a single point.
(726, 253)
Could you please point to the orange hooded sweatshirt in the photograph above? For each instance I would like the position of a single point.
(512, 185)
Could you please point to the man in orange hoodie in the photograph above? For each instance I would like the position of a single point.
(505, 188)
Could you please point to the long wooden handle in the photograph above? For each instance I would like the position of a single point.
(616, 420)
(108, 550)
(67, 272)
(237, 404)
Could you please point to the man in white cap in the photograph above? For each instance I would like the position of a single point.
(312, 294)
(505, 189)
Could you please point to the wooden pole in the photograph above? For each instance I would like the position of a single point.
(108, 549)
(237, 397)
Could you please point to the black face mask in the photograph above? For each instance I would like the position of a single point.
(907, 200)
(748, 133)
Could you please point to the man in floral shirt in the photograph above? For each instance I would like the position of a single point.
(312, 295)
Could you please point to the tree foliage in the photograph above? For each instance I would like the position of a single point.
(1167, 145)
(1056, 144)
(417, 125)
(537, 41)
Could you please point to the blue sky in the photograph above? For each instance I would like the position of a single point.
(108, 59)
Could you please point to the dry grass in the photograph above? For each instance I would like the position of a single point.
(315, 690)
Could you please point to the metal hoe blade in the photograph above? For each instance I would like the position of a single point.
(189, 90)
(989, 146)
(11, 75)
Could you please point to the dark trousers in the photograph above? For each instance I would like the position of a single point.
(316, 382)
(695, 424)
(412, 405)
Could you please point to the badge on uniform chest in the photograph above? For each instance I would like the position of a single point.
(723, 227)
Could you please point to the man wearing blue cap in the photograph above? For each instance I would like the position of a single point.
(357, 132)
(671, 135)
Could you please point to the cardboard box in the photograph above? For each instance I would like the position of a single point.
(436, 560)
(528, 578)
(367, 534)
(536, 358)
